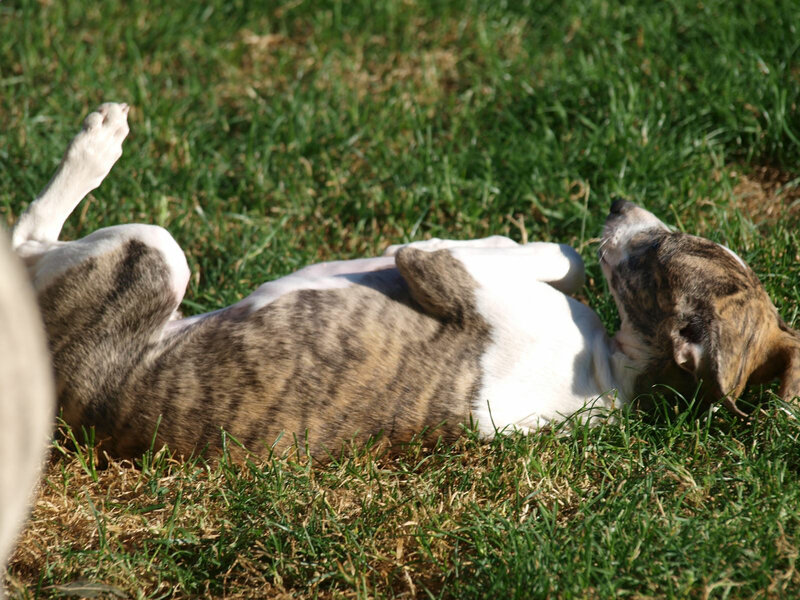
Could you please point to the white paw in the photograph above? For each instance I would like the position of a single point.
(96, 148)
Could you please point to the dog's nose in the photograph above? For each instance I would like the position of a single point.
(620, 206)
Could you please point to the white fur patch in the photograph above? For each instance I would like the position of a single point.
(534, 327)
(558, 265)
(616, 237)
(532, 334)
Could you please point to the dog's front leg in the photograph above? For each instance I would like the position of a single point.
(87, 161)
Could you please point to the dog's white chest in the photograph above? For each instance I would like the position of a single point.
(542, 364)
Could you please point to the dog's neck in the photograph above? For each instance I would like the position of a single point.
(614, 365)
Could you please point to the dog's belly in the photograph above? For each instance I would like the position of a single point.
(548, 359)
(333, 364)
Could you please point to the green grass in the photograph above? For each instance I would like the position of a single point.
(265, 136)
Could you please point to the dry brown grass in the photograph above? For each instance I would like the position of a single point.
(766, 194)
(366, 66)
(397, 516)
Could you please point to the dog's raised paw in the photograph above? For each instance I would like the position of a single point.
(98, 145)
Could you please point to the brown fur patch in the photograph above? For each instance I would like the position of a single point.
(332, 365)
(679, 290)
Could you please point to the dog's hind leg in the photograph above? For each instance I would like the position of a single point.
(87, 161)
(439, 282)
(558, 265)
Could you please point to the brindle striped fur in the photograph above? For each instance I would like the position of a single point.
(678, 289)
(337, 364)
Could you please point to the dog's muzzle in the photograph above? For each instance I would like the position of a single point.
(625, 223)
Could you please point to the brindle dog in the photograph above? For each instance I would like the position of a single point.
(426, 339)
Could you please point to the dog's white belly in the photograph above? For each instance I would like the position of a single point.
(547, 360)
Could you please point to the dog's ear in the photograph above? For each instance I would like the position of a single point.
(726, 354)
(721, 351)
(695, 349)
(788, 361)
(689, 347)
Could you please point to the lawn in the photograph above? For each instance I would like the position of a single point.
(268, 135)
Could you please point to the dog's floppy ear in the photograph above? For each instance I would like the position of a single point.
(721, 351)
(728, 353)
(689, 347)
(788, 361)
(695, 349)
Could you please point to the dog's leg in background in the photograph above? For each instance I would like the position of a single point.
(499, 258)
(559, 265)
(433, 244)
(26, 398)
(87, 161)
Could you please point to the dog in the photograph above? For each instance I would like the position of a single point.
(27, 397)
(419, 342)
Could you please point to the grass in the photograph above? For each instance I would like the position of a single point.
(269, 135)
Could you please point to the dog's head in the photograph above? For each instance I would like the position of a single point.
(694, 315)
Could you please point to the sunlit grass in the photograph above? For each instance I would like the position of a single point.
(266, 136)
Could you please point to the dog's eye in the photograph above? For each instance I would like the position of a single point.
(692, 331)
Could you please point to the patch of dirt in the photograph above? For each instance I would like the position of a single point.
(766, 194)
(438, 65)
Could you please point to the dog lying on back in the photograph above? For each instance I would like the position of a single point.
(429, 337)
